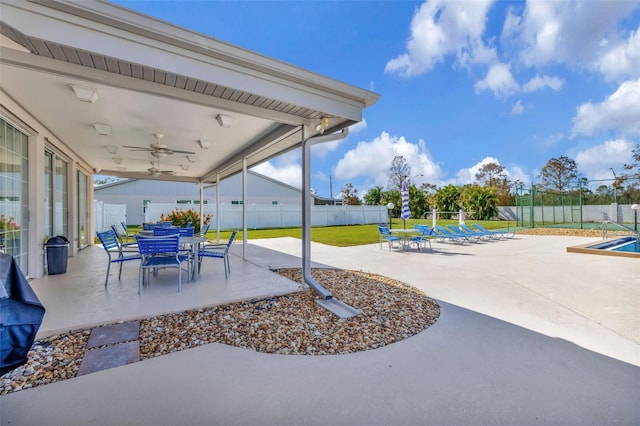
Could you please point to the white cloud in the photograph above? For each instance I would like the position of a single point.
(468, 175)
(517, 108)
(538, 83)
(622, 60)
(498, 80)
(373, 160)
(620, 111)
(565, 31)
(358, 127)
(440, 28)
(285, 168)
(596, 162)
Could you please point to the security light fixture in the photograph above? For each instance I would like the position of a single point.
(323, 125)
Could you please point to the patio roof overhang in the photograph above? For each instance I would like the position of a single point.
(153, 77)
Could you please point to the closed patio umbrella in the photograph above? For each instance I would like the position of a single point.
(21, 314)
(406, 213)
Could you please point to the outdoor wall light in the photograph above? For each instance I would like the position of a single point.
(85, 94)
(224, 120)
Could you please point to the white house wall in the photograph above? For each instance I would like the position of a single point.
(40, 138)
(132, 193)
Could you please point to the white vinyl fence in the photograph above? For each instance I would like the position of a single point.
(106, 215)
(260, 216)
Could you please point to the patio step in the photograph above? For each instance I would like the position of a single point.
(111, 346)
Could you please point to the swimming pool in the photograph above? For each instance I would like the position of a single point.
(623, 246)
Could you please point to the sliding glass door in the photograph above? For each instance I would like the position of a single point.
(14, 194)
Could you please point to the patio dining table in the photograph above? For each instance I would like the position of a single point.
(193, 243)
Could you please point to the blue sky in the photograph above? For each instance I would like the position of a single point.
(462, 83)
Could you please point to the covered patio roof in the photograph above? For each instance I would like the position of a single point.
(145, 77)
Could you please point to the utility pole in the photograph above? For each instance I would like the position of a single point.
(331, 189)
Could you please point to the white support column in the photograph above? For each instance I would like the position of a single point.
(201, 206)
(217, 208)
(244, 209)
(434, 218)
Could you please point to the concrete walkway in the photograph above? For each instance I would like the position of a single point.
(468, 368)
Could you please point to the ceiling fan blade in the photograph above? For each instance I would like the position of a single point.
(136, 148)
(178, 151)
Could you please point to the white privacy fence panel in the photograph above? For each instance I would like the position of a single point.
(106, 215)
(260, 216)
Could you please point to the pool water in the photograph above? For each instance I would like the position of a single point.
(629, 244)
(623, 246)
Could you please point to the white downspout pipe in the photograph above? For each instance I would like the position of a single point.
(306, 206)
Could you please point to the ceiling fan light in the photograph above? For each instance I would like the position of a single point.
(102, 129)
(204, 143)
(111, 149)
(159, 154)
(225, 120)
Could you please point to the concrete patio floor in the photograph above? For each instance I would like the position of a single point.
(528, 334)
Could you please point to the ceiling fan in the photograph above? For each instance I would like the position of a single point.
(158, 149)
(155, 171)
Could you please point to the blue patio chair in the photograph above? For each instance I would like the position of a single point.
(122, 239)
(162, 231)
(385, 236)
(426, 234)
(218, 251)
(111, 245)
(126, 231)
(205, 229)
(160, 252)
(501, 234)
(185, 232)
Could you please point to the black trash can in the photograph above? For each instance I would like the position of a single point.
(57, 254)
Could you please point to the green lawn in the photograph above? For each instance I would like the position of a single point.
(344, 236)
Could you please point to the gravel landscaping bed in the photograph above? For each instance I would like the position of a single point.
(293, 324)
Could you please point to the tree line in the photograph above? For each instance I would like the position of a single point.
(493, 188)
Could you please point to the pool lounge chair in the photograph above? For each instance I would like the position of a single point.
(479, 233)
(501, 234)
(443, 234)
(457, 231)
